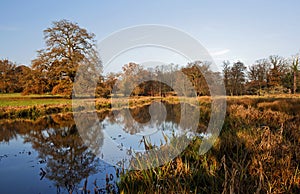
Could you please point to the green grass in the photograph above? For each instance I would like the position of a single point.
(19, 95)
(33, 102)
(16, 99)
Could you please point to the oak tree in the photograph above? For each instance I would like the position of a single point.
(67, 46)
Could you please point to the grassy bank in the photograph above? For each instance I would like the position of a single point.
(32, 106)
(18, 100)
(14, 106)
(258, 151)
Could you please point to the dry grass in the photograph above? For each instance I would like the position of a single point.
(258, 151)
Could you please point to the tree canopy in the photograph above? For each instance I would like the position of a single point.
(67, 46)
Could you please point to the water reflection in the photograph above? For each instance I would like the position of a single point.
(136, 120)
(130, 132)
(61, 156)
(71, 161)
(68, 160)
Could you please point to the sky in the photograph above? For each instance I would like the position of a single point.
(229, 30)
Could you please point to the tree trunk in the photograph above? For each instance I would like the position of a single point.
(295, 82)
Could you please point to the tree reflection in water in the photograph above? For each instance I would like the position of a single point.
(135, 120)
(68, 160)
(70, 155)
(153, 127)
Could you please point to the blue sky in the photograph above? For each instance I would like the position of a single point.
(229, 30)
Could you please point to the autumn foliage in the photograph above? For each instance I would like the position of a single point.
(69, 46)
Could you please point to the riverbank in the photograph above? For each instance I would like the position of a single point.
(13, 106)
(257, 150)
(16, 106)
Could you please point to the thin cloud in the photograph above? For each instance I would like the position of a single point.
(219, 53)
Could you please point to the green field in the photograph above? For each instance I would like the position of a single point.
(16, 99)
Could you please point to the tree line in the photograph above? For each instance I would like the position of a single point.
(274, 75)
(68, 46)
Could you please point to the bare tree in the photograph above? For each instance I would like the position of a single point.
(226, 73)
(277, 71)
(295, 66)
(234, 77)
(257, 75)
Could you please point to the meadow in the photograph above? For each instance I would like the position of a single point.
(17, 99)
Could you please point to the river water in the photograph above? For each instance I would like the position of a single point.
(51, 155)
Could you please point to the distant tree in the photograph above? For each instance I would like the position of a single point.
(107, 84)
(110, 81)
(237, 78)
(197, 73)
(130, 79)
(257, 75)
(36, 82)
(170, 75)
(67, 46)
(12, 77)
(166, 77)
(7, 76)
(21, 73)
(295, 71)
(234, 77)
(276, 75)
(226, 76)
(156, 87)
(183, 85)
